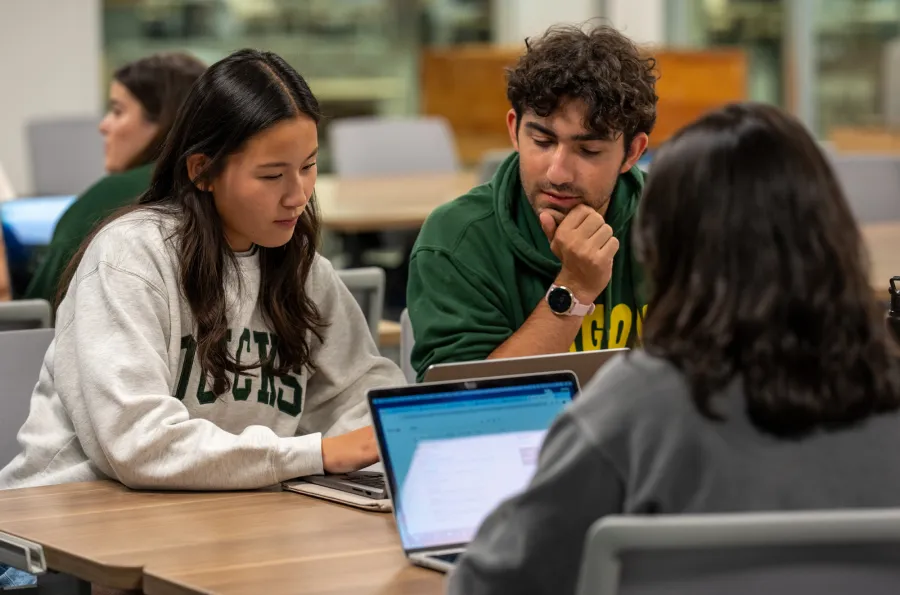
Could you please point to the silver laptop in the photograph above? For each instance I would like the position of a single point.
(369, 484)
(453, 451)
(584, 363)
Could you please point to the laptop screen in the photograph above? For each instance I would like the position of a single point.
(454, 451)
(31, 220)
(27, 226)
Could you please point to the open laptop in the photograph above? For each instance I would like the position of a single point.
(584, 363)
(453, 451)
(28, 225)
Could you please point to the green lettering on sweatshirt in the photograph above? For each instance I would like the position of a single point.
(205, 397)
(241, 393)
(273, 390)
(293, 406)
(266, 392)
(189, 347)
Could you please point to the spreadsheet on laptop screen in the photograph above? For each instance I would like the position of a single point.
(456, 455)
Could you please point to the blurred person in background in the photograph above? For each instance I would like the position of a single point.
(6, 193)
(144, 98)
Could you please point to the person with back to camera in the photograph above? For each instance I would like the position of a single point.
(202, 343)
(768, 381)
(144, 97)
(539, 260)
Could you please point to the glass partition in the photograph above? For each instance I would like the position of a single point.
(858, 64)
(360, 57)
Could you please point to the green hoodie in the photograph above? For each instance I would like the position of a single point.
(482, 264)
(99, 202)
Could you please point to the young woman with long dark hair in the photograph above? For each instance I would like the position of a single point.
(203, 343)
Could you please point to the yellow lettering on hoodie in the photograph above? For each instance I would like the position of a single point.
(640, 322)
(591, 331)
(620, 326)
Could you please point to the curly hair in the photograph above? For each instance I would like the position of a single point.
(759, 274)
(601, 67)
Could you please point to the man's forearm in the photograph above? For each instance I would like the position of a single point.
(544, 332)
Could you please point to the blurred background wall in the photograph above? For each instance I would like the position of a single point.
(51, 65)
(833, 62)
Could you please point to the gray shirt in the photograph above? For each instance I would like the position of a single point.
(634, 443)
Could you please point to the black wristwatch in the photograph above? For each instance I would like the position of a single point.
(564, 303)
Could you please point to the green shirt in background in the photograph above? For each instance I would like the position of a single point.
(482, 264)
(99, 202)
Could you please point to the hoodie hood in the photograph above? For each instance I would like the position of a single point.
(522, 229)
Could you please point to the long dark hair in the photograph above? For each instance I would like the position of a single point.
(160, 83)
(758, 272)
(234, 100)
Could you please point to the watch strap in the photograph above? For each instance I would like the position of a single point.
(579, 309)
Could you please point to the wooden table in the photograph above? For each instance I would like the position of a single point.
(354, 205)
(388, 333)
(883, 243)
(228, 542)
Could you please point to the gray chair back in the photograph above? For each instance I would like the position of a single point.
(871, 184)
(407, 341)
(21, 356)
(822, 553)
(66, 155)
(25, 314)
(489, 163)
(368, 146)
(367, 286)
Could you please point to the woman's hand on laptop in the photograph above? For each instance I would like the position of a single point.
(349, 452)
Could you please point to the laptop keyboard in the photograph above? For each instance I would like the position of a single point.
(449, 558)
(368, 479)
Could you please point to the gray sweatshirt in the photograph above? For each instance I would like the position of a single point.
(120, 394)
(633, 443)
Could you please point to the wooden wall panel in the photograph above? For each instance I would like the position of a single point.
(467, 85)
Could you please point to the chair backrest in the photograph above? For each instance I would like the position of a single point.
(367, 286)
(25, 314)
(367, 146)
(871, 184)
(489, 163)
(66, 155)
(21, 355)
(407, 340)
(826, 552)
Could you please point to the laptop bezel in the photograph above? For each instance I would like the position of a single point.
(446, 386)
(494, 367)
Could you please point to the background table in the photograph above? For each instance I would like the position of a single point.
(354, 205)
(883, 244)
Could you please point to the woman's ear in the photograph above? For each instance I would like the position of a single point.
(196, 165)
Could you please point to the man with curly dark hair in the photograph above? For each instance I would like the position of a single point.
(539, 260)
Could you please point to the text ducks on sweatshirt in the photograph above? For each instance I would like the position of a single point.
(121, 394)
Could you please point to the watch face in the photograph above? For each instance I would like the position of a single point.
(559, 300)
